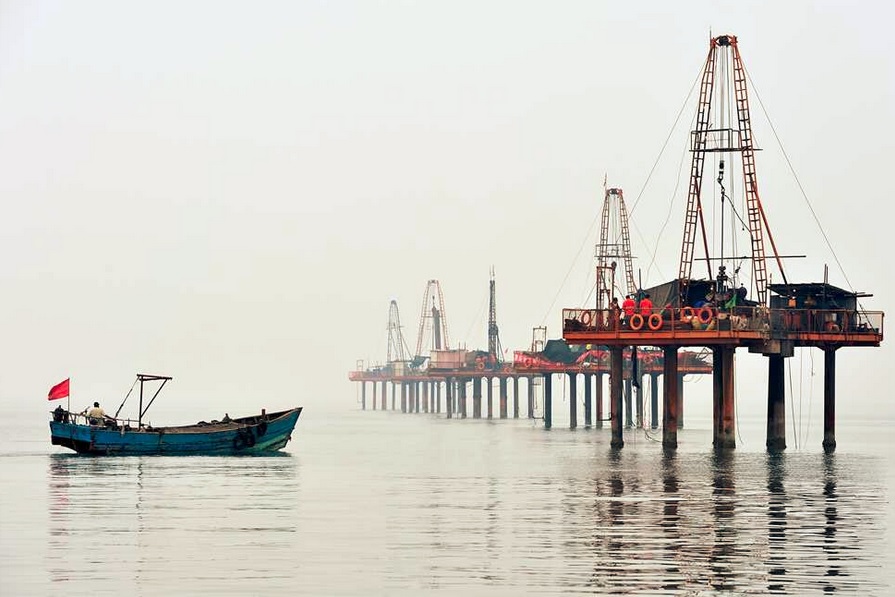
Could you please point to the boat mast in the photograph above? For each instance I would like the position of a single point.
(144, 378)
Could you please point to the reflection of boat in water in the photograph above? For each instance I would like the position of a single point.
(265, 432)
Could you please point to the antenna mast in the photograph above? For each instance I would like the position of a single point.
(493, 337)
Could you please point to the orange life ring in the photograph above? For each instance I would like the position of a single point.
(654, 322)
(480, 365)
(636, 322)
(590, 317)
(705, 314)
(687, 313)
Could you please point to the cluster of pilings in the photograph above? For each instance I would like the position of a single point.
(451, 395)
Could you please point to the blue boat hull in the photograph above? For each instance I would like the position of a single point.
(249, 435)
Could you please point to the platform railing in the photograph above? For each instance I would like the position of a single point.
(737, 319)
(80, 418)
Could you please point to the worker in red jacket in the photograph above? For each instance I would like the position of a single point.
(646, 306)
(628, 307)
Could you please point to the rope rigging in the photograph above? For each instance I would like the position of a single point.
(798, 182)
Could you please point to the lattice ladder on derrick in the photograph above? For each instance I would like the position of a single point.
(437, 319)
(697, 147)
(753, 202)
(604, 256)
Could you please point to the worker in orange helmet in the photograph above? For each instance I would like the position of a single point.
(646, 306)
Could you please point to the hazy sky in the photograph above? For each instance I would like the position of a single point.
(231, 193)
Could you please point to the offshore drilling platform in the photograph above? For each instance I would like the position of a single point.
(686, 326)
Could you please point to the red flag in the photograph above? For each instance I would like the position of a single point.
(60, 390)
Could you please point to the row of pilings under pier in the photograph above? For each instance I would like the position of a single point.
(462, 396)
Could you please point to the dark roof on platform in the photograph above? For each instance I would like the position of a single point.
(818, 288)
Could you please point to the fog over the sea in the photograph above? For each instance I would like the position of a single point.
(231, 193)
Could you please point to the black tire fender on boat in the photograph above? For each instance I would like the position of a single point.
(239, 441)
(261, 429)
(244, 439)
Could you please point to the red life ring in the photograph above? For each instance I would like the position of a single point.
(705, 314)
(588, 319)
(687, 313)
(654, 322)
(636, 322)
(480, 365)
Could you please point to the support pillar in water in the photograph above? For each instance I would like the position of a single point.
(829, 443)
(588, 382)
(490, 395)
(616, 382)
(503, 397)
(669, 398)
(531, 397)
(476, 397)
(776, 432)
(449, 397)
(723, 398)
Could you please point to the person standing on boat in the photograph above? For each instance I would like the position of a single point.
(96, 415)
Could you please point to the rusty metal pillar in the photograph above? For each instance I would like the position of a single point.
(503, 397)
(476, 397)
(425, 396)
(394, 391)
(531, 397)
(382, 405)
(573, 400)
(654, 400)
(363, 395)
(374, 395)
(717, 391)
(461, 396)
(616, 382)
(829, 443)
(638, 400)
(515, 397)
(669, 398)
(490, 382)
(449, 397)
(776, 436)
(680, 400)
(548, 400)
(629, 418)
(723, 399)
(598, 401)
(588, 413)
(403, 397)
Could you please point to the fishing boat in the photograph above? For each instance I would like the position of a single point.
(256, 434)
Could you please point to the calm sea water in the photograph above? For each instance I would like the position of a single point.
(379, 503)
